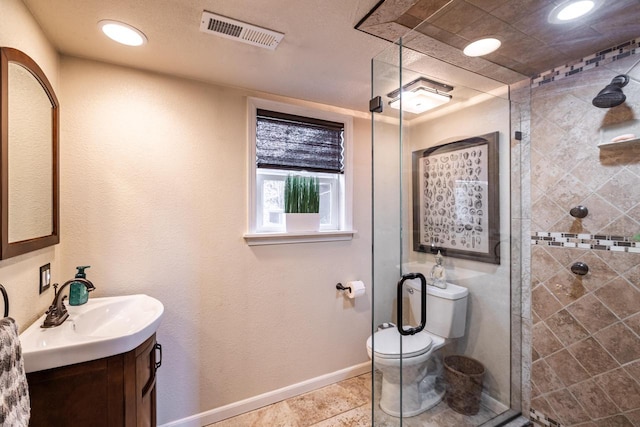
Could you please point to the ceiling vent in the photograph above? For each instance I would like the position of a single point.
(240, 31)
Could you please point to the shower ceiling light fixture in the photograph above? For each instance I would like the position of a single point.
(571, 10)
(420, 95)
(122, 33)
(482, 47)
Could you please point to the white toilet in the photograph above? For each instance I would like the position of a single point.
(446, 317)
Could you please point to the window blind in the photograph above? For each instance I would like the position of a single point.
(286, 141)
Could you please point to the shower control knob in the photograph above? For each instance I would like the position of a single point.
(579, 268)
(579, 212)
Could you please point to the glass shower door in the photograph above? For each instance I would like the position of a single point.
(403, 250)
(387, 134)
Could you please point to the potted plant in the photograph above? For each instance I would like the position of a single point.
(302, 203)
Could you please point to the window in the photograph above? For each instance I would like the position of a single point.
(286, 139)
(270, 200)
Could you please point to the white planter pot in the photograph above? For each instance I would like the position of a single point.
(299, 222)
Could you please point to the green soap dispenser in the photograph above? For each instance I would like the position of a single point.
(80, 287)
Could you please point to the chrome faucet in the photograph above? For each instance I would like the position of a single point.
(57, 312)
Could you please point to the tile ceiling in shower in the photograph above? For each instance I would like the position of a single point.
(530, 45)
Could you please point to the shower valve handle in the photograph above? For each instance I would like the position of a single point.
(579, 212)
(579, 268)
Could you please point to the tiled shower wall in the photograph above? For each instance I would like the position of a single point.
(586, 329)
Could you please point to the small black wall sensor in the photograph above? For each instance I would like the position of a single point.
(375, 104)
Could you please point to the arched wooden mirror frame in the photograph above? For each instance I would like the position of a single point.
(10, 249)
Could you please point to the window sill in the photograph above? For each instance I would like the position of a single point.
(257, 239)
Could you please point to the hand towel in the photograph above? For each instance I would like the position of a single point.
(15, 407)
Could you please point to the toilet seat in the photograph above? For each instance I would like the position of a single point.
(387, 342)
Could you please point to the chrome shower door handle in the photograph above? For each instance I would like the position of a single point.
(423, 304)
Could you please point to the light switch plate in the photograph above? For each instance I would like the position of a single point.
(45, 277)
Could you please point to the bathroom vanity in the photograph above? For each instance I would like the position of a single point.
(113, 391)
(98, 367)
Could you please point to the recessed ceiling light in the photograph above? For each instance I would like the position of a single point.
(482, 47)
(122, 33)
(571, 10)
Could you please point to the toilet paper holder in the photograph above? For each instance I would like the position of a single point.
(340, 287)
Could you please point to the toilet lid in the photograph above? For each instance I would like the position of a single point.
(387, 342)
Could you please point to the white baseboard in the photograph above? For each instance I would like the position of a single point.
(252, 403)
(494, 405)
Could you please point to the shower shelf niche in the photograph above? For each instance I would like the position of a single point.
(610, 133)
(616, 144)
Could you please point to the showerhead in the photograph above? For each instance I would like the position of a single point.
(611, 95)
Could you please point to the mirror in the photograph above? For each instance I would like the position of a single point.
(29, 156)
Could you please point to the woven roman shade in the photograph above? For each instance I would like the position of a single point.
(286, 141)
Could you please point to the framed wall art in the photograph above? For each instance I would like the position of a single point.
(456, 199)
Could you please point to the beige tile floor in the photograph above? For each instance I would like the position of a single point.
(346, 404)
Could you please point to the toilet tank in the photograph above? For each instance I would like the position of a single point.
(446, 308)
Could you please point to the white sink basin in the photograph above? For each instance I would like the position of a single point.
(100, 328)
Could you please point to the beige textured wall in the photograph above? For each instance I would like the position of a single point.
(21, 275)
(586, 329)
(154, 179)
(487, 337)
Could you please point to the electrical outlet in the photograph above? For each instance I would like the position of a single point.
(45, 277)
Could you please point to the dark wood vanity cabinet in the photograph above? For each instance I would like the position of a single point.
(117, 391)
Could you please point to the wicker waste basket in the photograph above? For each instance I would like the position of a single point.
(463, 377)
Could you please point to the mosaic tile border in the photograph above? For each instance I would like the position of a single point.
(586, 241)
(540, 419)
(598, 59)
